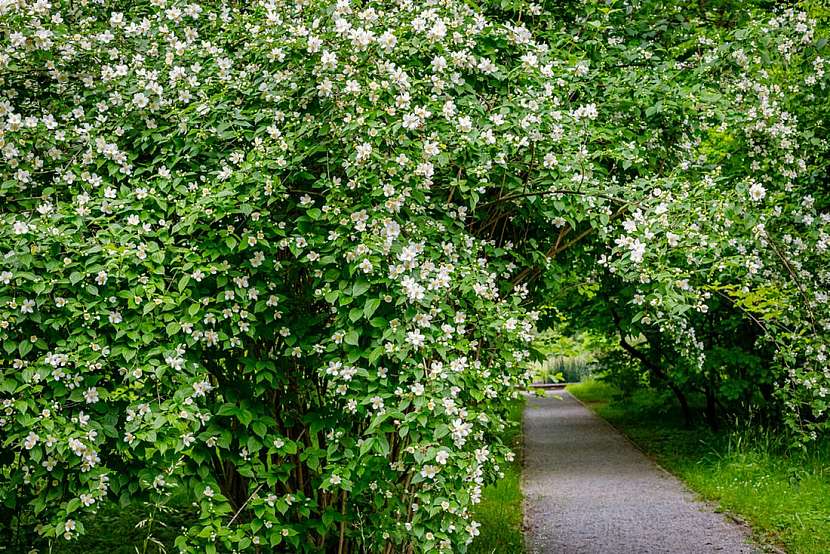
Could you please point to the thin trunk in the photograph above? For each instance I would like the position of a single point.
(711, 409)
(654, 368)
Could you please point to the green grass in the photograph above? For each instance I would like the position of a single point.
(500, 510)
(783, 494)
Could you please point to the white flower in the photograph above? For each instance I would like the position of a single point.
(411, 121)
(328, 60)
(101, 278)
(20, 228)
(550, 160)
(415, 338)
(377, 402)
(414, 291)
(465, 124)
(388, 41)
(438, 31)
(335, 479)
(638, 249)
(429, 471)
(140, 100)
(363, 151)
(91, 395)
(201, 387)
(31, 441)
(459, 364)
(431, 148)
(757, 192)
(442, 456)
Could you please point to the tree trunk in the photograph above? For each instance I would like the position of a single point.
(711, 409)
(654, 368)
(684, 404)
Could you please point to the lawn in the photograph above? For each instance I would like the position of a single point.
(500, 510)
(784, 495)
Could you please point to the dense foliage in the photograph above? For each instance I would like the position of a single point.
(712, 137)
(237, 263)
(283, 257)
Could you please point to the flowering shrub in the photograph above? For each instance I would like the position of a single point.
(237, 262)
(709, 158)
(278, 256)
(741, 223)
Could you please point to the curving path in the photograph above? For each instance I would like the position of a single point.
(589, 491)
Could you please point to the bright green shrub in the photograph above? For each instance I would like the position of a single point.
(276, 256)
(707, 172)
(236, 264)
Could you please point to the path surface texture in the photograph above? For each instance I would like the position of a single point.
(588, 490)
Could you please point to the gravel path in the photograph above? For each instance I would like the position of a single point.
(588, 490)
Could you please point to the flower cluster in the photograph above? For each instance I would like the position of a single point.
(239, 262)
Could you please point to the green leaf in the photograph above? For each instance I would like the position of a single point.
(24, 347)
(183, 282)
(366, 446)
(9, 346)
(370, 307)
(351, 338)
(375, 354)
(360, 287)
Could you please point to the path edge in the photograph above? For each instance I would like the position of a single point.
(716, 507)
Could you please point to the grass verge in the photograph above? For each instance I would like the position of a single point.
(500, 510)
(783, 494)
